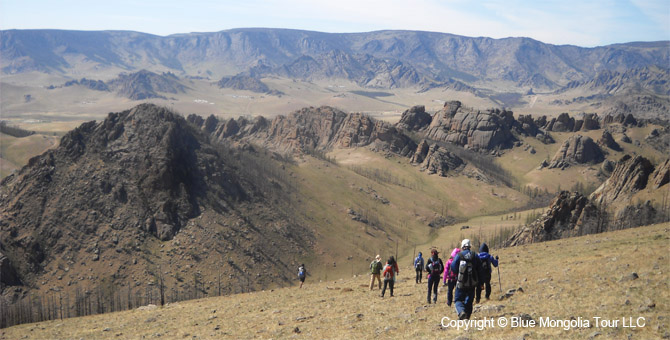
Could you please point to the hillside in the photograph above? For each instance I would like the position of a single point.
(101, 207)
(558, 285)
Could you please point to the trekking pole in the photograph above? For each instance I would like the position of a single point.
(499, 284)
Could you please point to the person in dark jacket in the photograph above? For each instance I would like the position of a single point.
(390, 272)
(418, 265)
(434, 267)
(467, 280)
(487, 260)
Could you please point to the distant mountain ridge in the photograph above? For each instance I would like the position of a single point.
(409, 57)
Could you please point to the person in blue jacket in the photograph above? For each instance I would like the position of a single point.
(487, 260)
(418, 265)
(469, 268)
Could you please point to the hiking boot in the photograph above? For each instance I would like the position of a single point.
(435, 301)
(462, 315)
(477, 301)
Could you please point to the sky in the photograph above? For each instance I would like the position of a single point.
(575, 22)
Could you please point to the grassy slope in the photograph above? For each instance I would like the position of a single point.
(328, 191)
(580, 277)
(15, 152)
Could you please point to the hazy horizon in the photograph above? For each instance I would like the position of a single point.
(596, 23)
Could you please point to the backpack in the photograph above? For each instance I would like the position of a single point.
(388, 272)
(467, 274)
(436, 267)
(379, 267)
(419, 263)
(451, 275)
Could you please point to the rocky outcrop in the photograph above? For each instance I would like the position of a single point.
(570, 214)
(563, 123)
(315, 128)
(146, 84)
(245, 82)
(608, 141)
(659, 139)
(415, 119)
(577, 150)
(660, 176)
(435, 159)
(115, 188)
(472, 129)
(629, 176)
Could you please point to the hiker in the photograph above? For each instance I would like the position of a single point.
(434, 267)
(375, 271)
(302, 273)
(390, 272)
(450, 276)
(469, 268)
(487, 260)
(418, 265)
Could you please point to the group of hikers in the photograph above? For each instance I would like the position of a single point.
(466, 271)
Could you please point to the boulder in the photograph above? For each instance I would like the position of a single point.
(577, 150)
(414, 119)
(607, 140)
(439, 161)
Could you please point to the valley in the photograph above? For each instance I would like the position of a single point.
(197, 171)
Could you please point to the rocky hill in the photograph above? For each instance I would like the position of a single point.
(394, 58)
(104, 205)
(145, 84)
(610, 207)
(136, 86)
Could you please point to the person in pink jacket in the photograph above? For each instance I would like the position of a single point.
(450, 277)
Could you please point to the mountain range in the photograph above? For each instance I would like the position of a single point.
(377, 59)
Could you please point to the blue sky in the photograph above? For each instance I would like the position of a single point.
(581, 22)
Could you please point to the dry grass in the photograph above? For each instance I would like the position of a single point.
(579, 278)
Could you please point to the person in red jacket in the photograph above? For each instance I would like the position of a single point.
(389, 274)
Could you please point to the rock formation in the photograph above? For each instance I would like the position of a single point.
(435, 159)
(146, 84)
(577, 150)
(114, 188)
(476, 130)
(629, 176)
(570, 214)
(607, 140)
(660, 176)
(314, 128)
(414, 119)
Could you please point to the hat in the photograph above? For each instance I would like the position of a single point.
(378, 257)
(465, 244)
